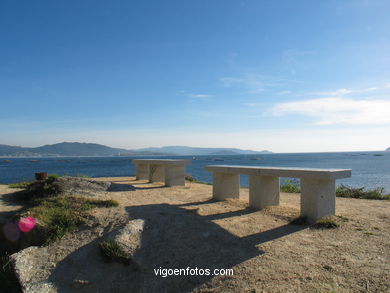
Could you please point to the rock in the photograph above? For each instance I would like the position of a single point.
(129, 239)
(79, 185)
(24, 264)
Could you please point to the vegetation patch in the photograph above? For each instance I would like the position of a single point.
(328, 268)
(22, 185)
(62, 214)
(289, 187)
(37, 189)
(326, 223)
(299, 221)
(192, 179)
(350, 192)
(111, 251)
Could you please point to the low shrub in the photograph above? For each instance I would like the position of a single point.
(289, 187)
(350, 192)
(190, 178)
(111, 251)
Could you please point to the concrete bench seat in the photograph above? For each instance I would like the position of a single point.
(318, 186)
(171, 172)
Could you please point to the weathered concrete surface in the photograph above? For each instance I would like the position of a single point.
(142, 171)
(318, 186)
(263, 191)
(226, 185)
(174, 175)
(318, 198)
(171, 172)
(282, 171)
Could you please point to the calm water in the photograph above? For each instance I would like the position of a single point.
(369, 169)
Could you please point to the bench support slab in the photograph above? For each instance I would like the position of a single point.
(263, 191)
(226, 185)
(174, 176)
(156, 173)
(142, 172)
(318, 198)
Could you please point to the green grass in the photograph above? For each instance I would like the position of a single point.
(111, 251)
(23, 185)
(289, 187)
(326, 223)
(192, 179)
(37, 189)
(61, 215)
(350, 192)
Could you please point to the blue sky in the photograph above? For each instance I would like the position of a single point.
(287, 76)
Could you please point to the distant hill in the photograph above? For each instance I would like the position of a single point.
(77, 149)
(67, 149)
(191, 151)
(388, 150)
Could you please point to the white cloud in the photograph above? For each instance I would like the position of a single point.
(199, 96)
(251, 83)
(343, 92)
(328, 111)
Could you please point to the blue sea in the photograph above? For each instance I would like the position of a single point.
(369, 169)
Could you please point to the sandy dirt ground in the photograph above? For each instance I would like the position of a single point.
(266, 252)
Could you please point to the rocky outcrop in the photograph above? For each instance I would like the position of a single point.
(74, 263)
(80, 185)
(29, 274)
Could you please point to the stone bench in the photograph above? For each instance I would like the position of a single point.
(171, 172)
(318, 186)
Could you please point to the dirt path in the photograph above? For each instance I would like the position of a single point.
(7, 207)
(352, 258)
(185, 228)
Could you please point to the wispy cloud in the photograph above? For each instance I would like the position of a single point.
(344, 92)
(195, 96)
(330, 111)
(199, 96)
(252, 83)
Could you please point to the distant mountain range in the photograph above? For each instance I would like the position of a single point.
(191, 151)
(388, 150)
(70, 149)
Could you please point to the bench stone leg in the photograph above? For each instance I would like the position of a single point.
(156, 173)
(318, 198)
(174, 176)
(263, 191)
(142, 171)
(226, 185)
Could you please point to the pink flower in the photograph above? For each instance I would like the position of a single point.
(26, 224)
